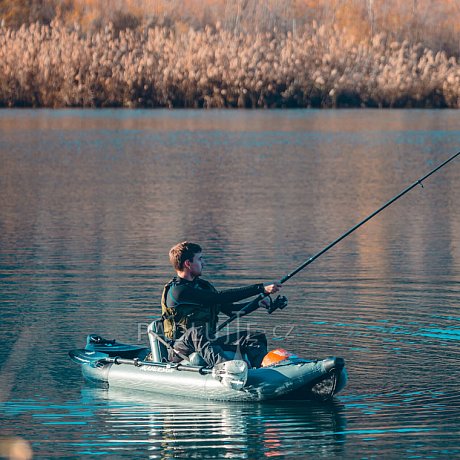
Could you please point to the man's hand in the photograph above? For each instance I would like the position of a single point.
(272, 288)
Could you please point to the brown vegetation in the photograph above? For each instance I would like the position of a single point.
(279, 63)
(435, 23)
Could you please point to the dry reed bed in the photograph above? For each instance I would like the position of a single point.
(53, 66)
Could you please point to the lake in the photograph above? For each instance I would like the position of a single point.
(92, 200)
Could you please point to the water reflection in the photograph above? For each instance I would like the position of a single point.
(91, 201)
(188, 428)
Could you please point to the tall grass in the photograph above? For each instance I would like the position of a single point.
(58, 66)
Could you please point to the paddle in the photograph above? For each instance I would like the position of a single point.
(251, 305)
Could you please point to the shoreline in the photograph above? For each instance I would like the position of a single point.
(59, 67)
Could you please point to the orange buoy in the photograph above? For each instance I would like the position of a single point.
(275, 356)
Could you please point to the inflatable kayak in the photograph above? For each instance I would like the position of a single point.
(142, 368)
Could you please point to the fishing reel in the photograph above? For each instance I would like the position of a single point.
(279, 303)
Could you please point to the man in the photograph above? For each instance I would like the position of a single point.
(191, 305)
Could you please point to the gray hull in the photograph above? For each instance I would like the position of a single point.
(295, 377)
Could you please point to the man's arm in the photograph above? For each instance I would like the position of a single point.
(208, 296)
(187, 294)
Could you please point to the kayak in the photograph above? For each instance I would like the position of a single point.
(119, 365)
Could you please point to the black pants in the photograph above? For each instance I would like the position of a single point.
(254, 345)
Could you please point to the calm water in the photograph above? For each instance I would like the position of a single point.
(90, 203)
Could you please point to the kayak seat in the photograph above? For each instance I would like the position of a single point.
(159, 353)
(158, 350)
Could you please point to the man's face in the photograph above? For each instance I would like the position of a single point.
(196, 265)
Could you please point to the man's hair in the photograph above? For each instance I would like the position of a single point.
(181, 252)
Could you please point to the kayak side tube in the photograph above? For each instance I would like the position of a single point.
(294, 377)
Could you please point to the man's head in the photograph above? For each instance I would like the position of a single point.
(186, 257)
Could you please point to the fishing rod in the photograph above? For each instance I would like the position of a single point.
(252, 305)
(368, 218)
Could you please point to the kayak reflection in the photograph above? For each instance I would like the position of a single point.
(176, 427)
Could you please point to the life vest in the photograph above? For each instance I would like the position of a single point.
(180, 316)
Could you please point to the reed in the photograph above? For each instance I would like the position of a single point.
(61, 66)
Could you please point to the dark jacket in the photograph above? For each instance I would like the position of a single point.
(197, 303)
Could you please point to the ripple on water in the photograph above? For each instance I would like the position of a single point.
(88, 216)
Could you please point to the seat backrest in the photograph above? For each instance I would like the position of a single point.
(159, 351)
